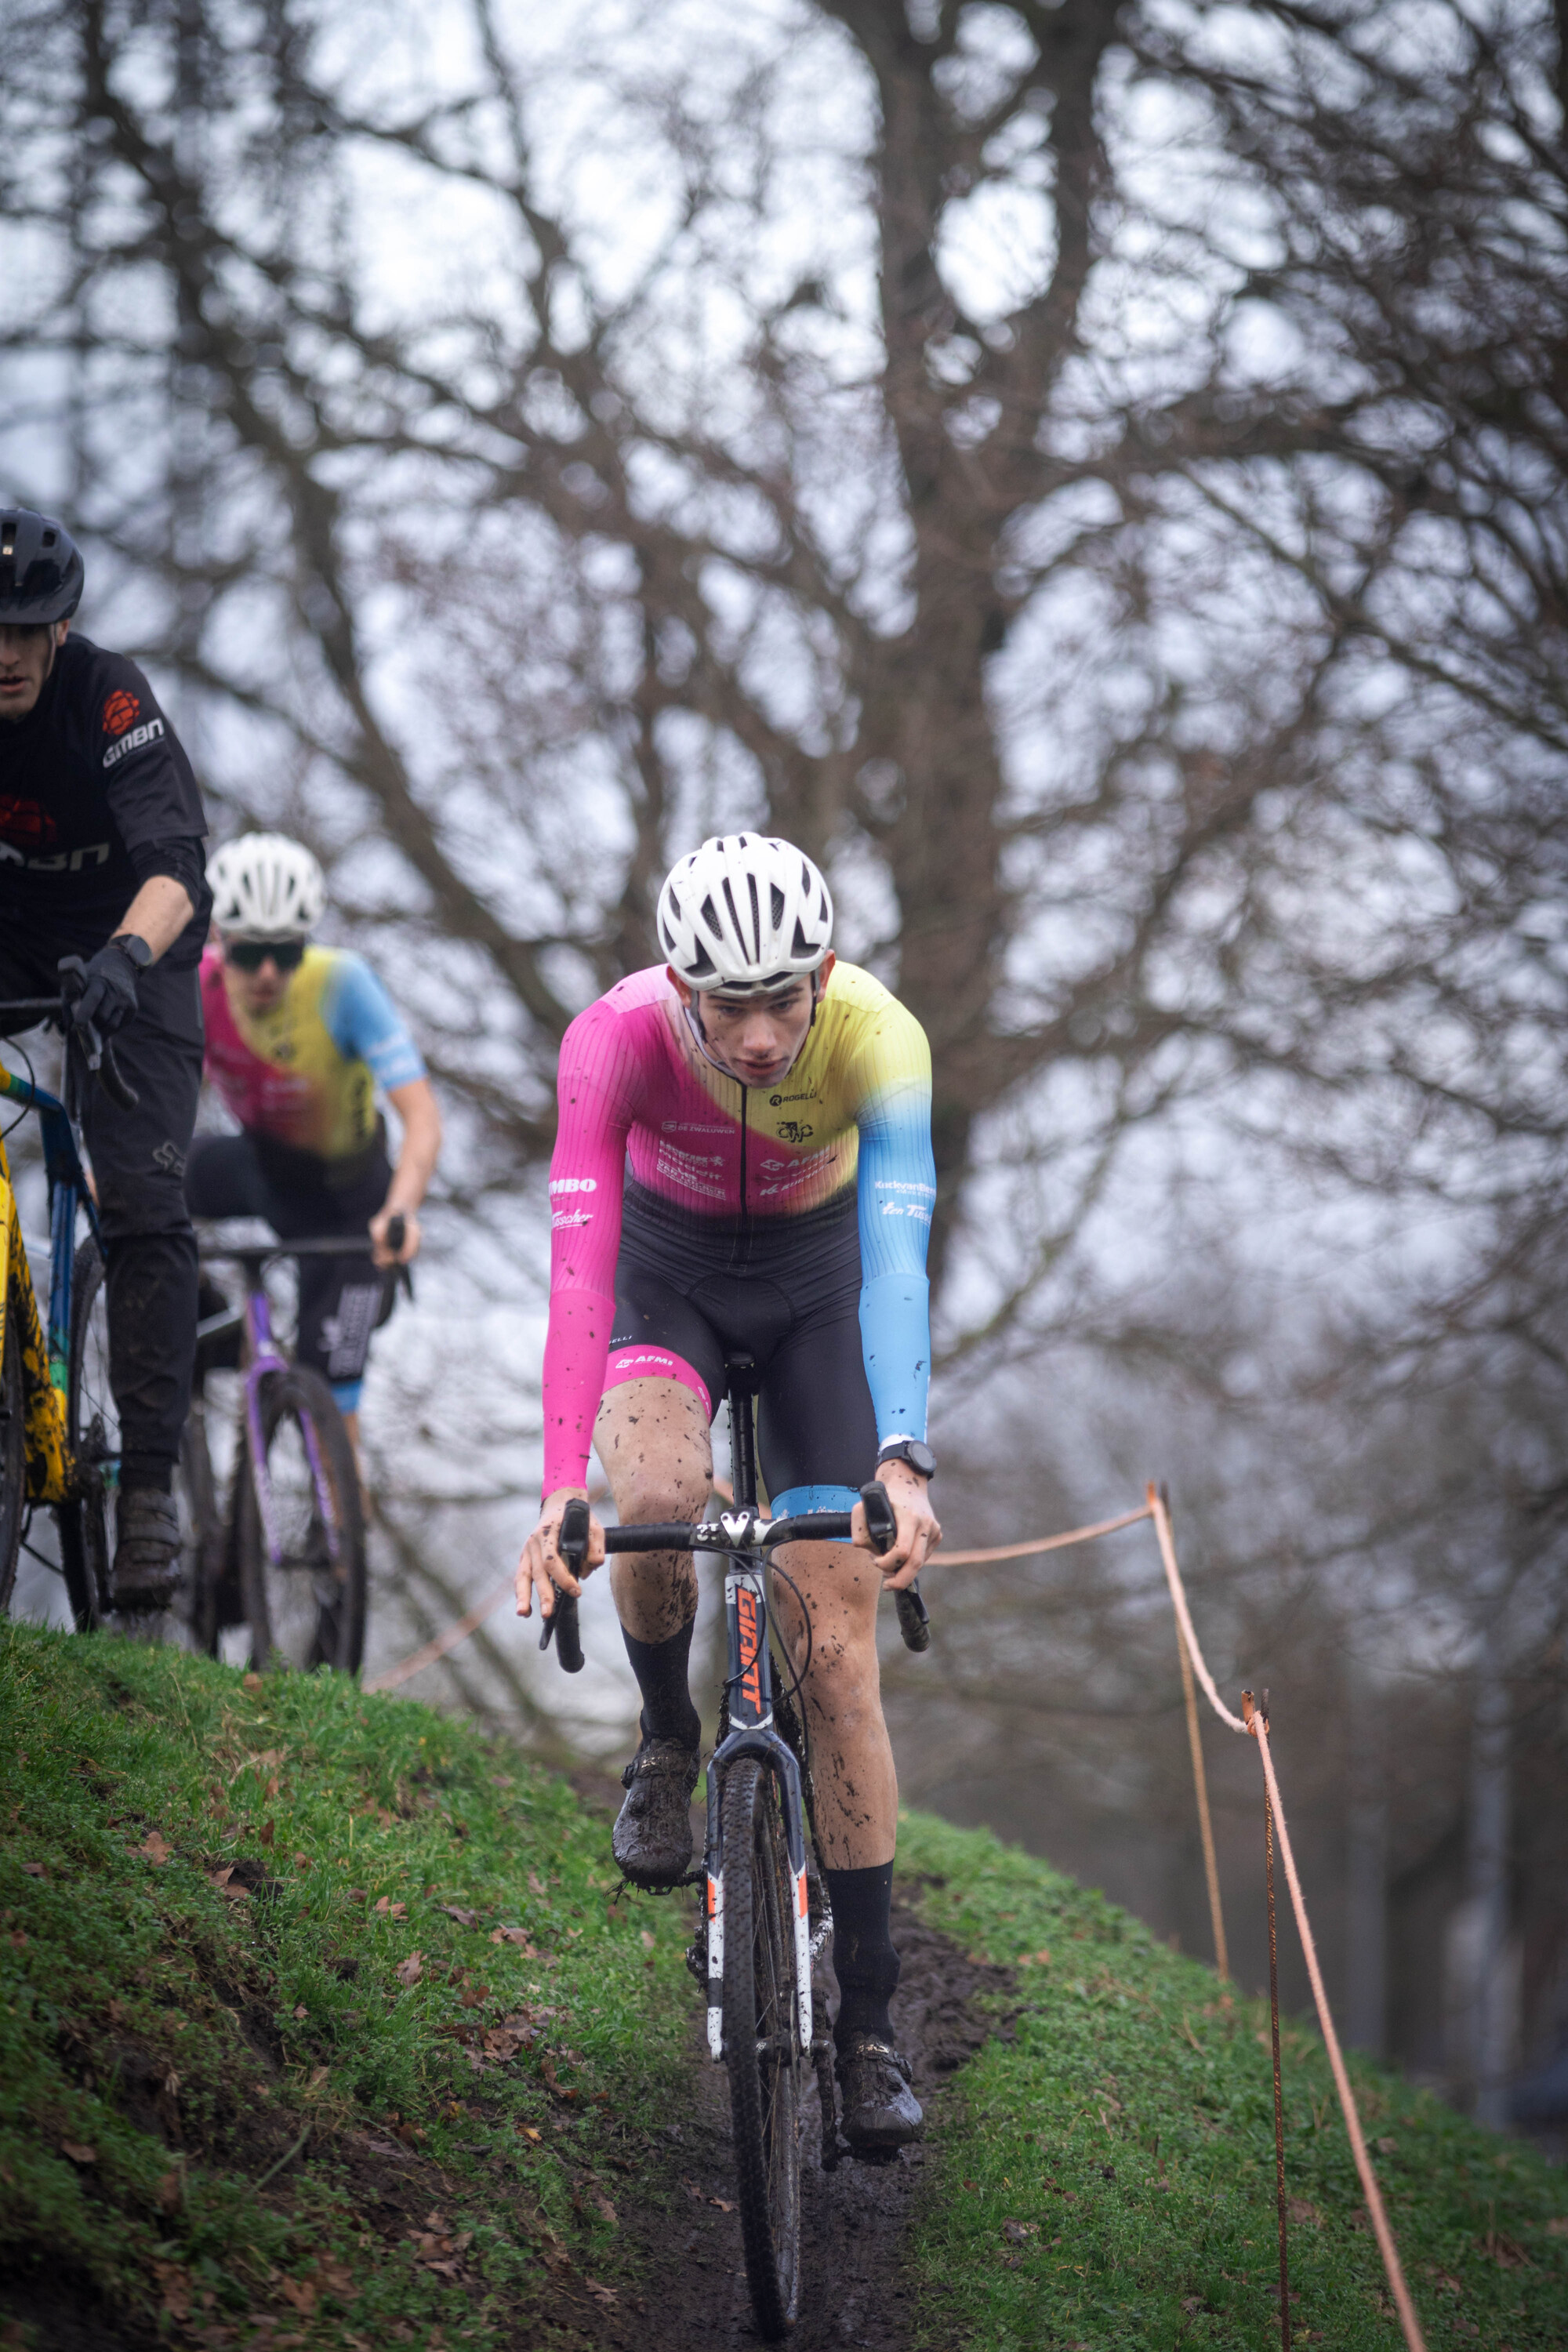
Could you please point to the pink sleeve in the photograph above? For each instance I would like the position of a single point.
(594, 1087)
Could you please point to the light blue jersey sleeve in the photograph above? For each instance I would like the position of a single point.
(366, 1026)
(896, 1193)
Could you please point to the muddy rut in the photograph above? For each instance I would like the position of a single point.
(857, 2286)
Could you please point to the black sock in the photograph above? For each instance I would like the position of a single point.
(863, 1959)
(662, 1669)
(146, 1470)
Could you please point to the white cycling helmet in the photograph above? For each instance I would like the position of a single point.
(266, 886)
(745, 912)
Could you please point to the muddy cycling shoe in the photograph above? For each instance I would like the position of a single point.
(881, 2114)
(147, 1550)
(652, 1837)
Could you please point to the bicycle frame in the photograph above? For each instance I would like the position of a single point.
(263, 1357)
(752, 1731)
(46, 1359)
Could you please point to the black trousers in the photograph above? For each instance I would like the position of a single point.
(342, 1299)
(138, 1167)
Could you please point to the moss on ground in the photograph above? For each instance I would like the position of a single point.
(318, 2027)
(315, 2014)
(1105, 2176)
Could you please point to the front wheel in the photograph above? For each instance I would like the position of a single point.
(12, 1453)
(761, 2046)
(303, 1577)
(88, 1522)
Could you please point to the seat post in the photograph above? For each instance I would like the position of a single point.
(740, 1380)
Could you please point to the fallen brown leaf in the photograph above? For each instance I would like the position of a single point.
(535, 1884)
(604, 2204)
(34, 1870)
(456, 1911)
(300, 2293)
(518, 1936)
(337, 2278)
(157, 1848)
(409, 1971)
(252, 1682)
(268, 1831)
(79, 2151)
(601, 2293)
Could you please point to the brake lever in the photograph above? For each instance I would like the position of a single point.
(398, 1277)
(572, 1546)
(881, 1525)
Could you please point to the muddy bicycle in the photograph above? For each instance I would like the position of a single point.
(764, 1912)
(60, 1432)
(284, 1565)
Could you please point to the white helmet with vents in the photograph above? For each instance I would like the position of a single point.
(266, 886)
(745, 912)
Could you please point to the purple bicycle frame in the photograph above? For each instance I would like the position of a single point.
(265, 1358)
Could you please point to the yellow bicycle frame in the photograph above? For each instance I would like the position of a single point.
(50, 1471)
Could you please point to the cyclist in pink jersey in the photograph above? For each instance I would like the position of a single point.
(744, 1162)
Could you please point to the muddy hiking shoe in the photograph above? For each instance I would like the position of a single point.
(147, 1550)
(881, 2114)
(652, 1837)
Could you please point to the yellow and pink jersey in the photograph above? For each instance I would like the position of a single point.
(305, 1073)
(852, 1119)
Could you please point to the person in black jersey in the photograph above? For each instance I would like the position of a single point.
(100, 859)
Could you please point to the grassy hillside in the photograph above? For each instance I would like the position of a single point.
(312, 2011)
(1107, 2177)
(318, 2028)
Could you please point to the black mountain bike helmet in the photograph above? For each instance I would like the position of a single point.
(41, 570)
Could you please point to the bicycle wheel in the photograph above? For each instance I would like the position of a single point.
(88, 1524)
(13, 1458)
(202, 1534)
(303, 1607)
(761, 2046)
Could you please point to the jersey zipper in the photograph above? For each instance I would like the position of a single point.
(745, 1213)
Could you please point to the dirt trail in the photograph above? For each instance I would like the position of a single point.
(857, 2288)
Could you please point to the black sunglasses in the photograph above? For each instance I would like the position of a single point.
(249, 955)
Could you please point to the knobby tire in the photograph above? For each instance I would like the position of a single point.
(323, 1624)
(761, 2050)
(13, 1457)
(88, 1522)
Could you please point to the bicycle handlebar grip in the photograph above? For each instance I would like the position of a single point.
(914, 1618)
(396, 1233)
(573, 1545)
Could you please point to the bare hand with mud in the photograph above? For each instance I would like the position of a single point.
(541, 1569)
(918, 1529)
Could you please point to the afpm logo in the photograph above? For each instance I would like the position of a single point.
(148, 732)
(751, 1646)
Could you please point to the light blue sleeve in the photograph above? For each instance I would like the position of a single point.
(896, 1194)
(365, 1025)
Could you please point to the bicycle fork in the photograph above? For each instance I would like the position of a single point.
(752, 1716)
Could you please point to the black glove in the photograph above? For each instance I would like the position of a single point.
(102, 990)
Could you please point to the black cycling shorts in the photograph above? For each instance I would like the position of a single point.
(342, 1299)
(784, 1291)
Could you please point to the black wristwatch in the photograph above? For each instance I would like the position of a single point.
(918, 1455)
(134, 949)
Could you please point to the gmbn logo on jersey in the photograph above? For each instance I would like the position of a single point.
(148, 732)
(573, 1184)
(121, 711)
